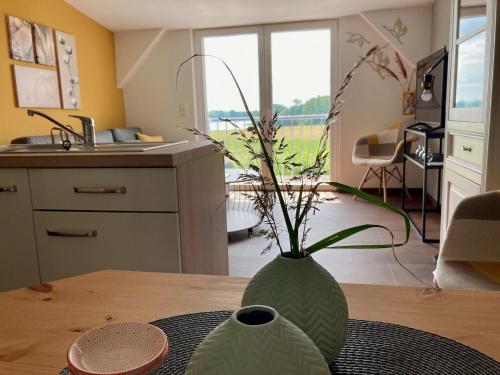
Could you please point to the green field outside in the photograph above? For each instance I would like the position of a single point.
(301, 139)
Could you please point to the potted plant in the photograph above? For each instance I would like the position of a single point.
(293, 283)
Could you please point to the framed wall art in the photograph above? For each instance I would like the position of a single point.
(45, 53)
(408, 103)
(21, 39)
(36, 87)
(67, 66)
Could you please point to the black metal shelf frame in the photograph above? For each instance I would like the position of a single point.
(426, 132)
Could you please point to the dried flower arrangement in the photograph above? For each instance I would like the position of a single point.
(298, 197)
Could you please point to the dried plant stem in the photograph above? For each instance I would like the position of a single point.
(267, 150)
(270, 220)
(410, 272)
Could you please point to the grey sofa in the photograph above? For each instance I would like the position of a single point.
(102, 136)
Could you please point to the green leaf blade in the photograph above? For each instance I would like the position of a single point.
(330, 240)
(341, 235)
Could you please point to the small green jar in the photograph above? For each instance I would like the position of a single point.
(256, 340)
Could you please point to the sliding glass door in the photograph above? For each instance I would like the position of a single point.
(221, 100)
(285, 69)
(300, 84)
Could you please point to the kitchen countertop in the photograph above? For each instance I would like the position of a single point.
(165, 157)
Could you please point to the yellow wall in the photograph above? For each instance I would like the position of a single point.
(96, 62)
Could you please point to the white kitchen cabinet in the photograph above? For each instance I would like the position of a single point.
(18, 256)
(159, 212)
(91, 219)
(469, 125)
(74, 243)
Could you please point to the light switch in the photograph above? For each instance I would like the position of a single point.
(182, 110)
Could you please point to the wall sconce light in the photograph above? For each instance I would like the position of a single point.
(427, 87)
(428, 81)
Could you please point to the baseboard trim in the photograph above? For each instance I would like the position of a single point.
(413, 191)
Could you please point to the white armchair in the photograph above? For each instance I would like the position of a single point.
(380, 153)
(470, 255)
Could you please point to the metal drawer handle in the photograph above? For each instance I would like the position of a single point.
(100, 190)
(63, 233)
(466, 148)
(8, 189)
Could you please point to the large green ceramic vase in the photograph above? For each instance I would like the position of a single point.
(256, 340)
(305, 293)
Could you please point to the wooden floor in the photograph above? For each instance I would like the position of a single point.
(351, 266)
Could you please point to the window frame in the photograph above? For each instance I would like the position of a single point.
(470, 115)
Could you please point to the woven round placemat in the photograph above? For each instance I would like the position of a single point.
(371, 348)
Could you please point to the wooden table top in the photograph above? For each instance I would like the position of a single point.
(38, 324)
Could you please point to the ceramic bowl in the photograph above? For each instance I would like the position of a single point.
(124, 348)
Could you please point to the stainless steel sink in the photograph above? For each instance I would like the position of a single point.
(81, 149)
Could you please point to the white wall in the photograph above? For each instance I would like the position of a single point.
(415, 43)
(151, 98)
(441, 18)
(371, 103)
(130, 48)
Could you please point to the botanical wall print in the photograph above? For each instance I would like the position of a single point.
(44, 45)
(36, 87)
(398, 30)
(67, 65)
(21, 39)
(357, 38)
(378, 61)
(403, 77)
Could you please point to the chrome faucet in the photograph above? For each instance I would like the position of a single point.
(88, 124)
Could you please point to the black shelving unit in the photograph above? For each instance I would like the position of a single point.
(425, 132)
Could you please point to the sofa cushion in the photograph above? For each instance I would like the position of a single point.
(104, 136)
(32, 140)
(149, 138)
(125, 134)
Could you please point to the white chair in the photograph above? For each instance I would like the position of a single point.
(380, 153)
(470, 255)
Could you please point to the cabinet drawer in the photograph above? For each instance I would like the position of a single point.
(104, 189)
(74, 243)
(469, 149)
(18, 258)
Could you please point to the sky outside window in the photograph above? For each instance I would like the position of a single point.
(241, 53)
(300, 65)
